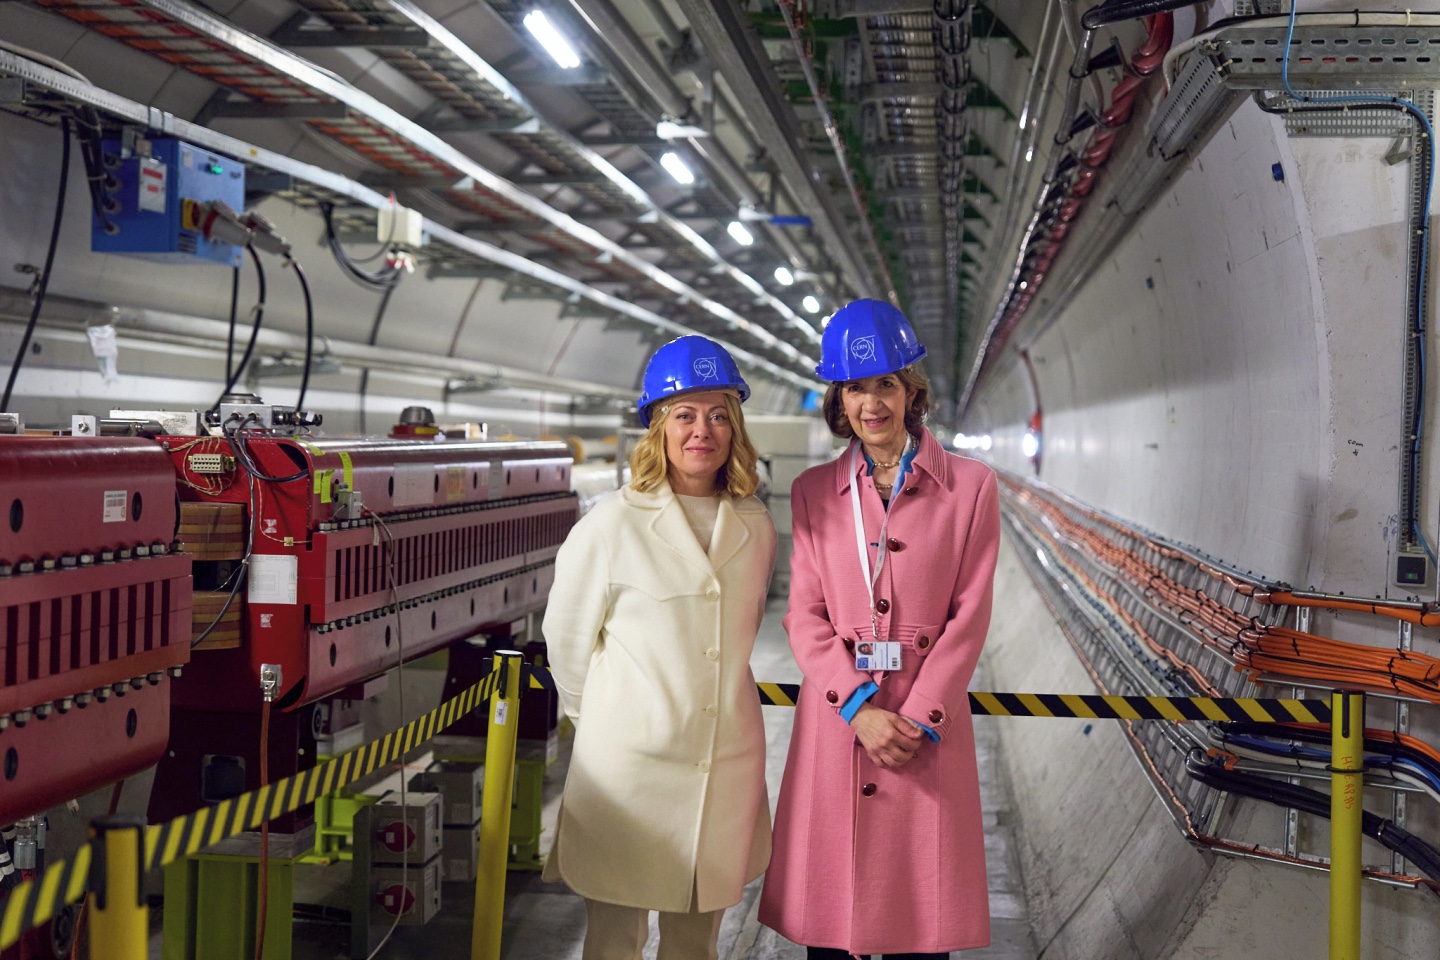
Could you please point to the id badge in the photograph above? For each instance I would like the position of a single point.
(877, 655)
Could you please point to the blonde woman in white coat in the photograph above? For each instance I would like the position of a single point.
(658, 595)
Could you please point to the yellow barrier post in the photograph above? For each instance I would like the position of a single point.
(495, 807)
(1347, 807)
(120, 921)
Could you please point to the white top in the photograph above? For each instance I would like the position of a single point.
(700, 513)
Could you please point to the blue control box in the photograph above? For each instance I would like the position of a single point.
(153, 220)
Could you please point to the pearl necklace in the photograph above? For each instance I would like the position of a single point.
(888, 465)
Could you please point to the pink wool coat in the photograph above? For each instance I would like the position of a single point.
(866, 859)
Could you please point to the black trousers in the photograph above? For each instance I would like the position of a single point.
(830, 953)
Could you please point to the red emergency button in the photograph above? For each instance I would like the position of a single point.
(894, 545)
(868, 790)
(882, 605)
(832, 696)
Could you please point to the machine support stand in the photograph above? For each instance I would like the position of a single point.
(120, 921)
(495, 808)
(1347, 805)
(211, 906)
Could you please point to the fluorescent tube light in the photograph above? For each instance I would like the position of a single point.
(674, 166)
(556, 45)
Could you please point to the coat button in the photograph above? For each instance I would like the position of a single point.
(882, 605)
(710, 711)
(911, 490)
(704, 766)
(936, 716)
(832, 696)
(868, 789)
(893, 545)
(712, 654)
(922, 642)
(712, 594)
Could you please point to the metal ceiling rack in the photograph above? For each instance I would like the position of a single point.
(196, 40)
(41, 93)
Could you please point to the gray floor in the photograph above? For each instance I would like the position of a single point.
(546, 922)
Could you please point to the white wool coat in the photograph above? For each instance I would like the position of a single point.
(649, 642)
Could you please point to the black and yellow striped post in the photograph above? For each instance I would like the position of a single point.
(495, 806)
(120, 921)
(1347, 811)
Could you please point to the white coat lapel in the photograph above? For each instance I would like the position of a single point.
(731, 533)
(673, 530)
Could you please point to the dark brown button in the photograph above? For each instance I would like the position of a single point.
(882, 605)
(911, 490)
(868, 789)
(849, 644)
(922, 642)
(936, 716)
(832, 696)
(894, 545)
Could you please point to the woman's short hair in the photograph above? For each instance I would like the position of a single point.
(911, 377)
(649, 464)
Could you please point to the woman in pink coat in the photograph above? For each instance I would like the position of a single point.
(878, 842)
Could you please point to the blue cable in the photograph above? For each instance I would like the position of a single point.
(1295, 751)
(1420, 273)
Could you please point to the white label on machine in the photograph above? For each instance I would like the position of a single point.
(497, 479)
(414, 484)
(152, 185)
(273, 578)
(115, 501)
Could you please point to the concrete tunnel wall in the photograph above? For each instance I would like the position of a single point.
(1230, 378)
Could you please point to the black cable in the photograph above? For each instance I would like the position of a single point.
(43, 282)
(1213, 774)
(237, 441)
(387, 276)
(374, 336)
(234, 374)
(309, 334)
(1114, 11)
(234, 303)
(239, 577)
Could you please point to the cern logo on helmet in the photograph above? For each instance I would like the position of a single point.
(707, 368)
(863, 348)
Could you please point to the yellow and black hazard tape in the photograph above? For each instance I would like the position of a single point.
(65, 881)
(1096, 707)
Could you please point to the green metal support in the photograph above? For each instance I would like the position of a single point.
(210, 908)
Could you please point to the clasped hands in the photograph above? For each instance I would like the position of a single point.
(889, 739)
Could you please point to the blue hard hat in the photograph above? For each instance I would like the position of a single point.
(866, 338)
(688, 365)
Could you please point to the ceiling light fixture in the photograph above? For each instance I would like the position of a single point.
(810, 304)
(742, 236)
(784, 275)
(674, 166)
(672, 130)
(556, 45)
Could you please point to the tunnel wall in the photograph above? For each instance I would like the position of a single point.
(1230, 379)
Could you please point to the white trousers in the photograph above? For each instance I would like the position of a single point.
(613, 932)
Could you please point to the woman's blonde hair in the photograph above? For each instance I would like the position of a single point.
(649, 465)
(911, 377)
